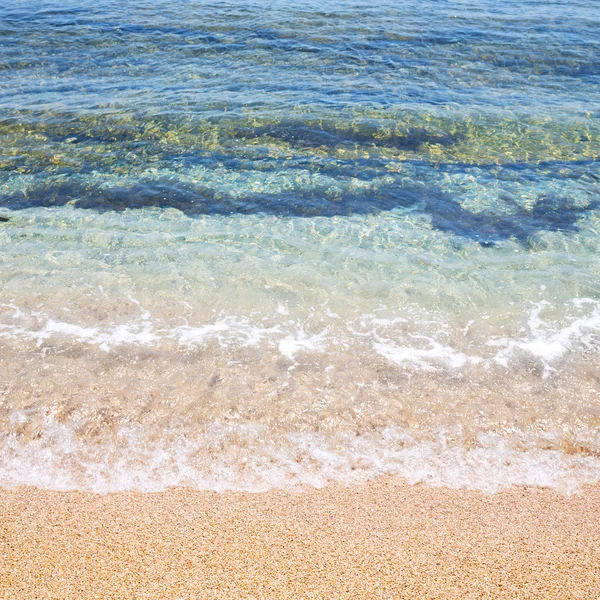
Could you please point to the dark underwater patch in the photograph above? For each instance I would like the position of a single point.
(550, 213)
(195, 200)
(313, 135)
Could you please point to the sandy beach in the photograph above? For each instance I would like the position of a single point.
(385, 539)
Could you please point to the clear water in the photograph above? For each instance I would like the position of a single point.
(248, 247)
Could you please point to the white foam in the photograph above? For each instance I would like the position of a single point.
(140, 332)
(282, 310)
(426, 359)
(547, 342)
(541, 340)
(226, 330)
(17, 312)
(298, 341)
(246, 458)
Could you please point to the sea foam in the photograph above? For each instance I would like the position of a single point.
(248, 458)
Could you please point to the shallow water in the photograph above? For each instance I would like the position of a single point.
(252, 248)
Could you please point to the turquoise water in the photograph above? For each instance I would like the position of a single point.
(246, 248)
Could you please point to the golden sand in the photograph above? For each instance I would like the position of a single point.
(385, 539)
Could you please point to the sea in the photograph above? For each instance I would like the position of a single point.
(256, 245)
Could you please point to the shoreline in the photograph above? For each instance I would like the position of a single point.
(382, 539)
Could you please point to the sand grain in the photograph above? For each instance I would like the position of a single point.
(381, 540)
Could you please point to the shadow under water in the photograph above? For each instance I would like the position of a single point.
(550, 213)
(302, 134)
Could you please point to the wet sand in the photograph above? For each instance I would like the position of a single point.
(384, 539)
